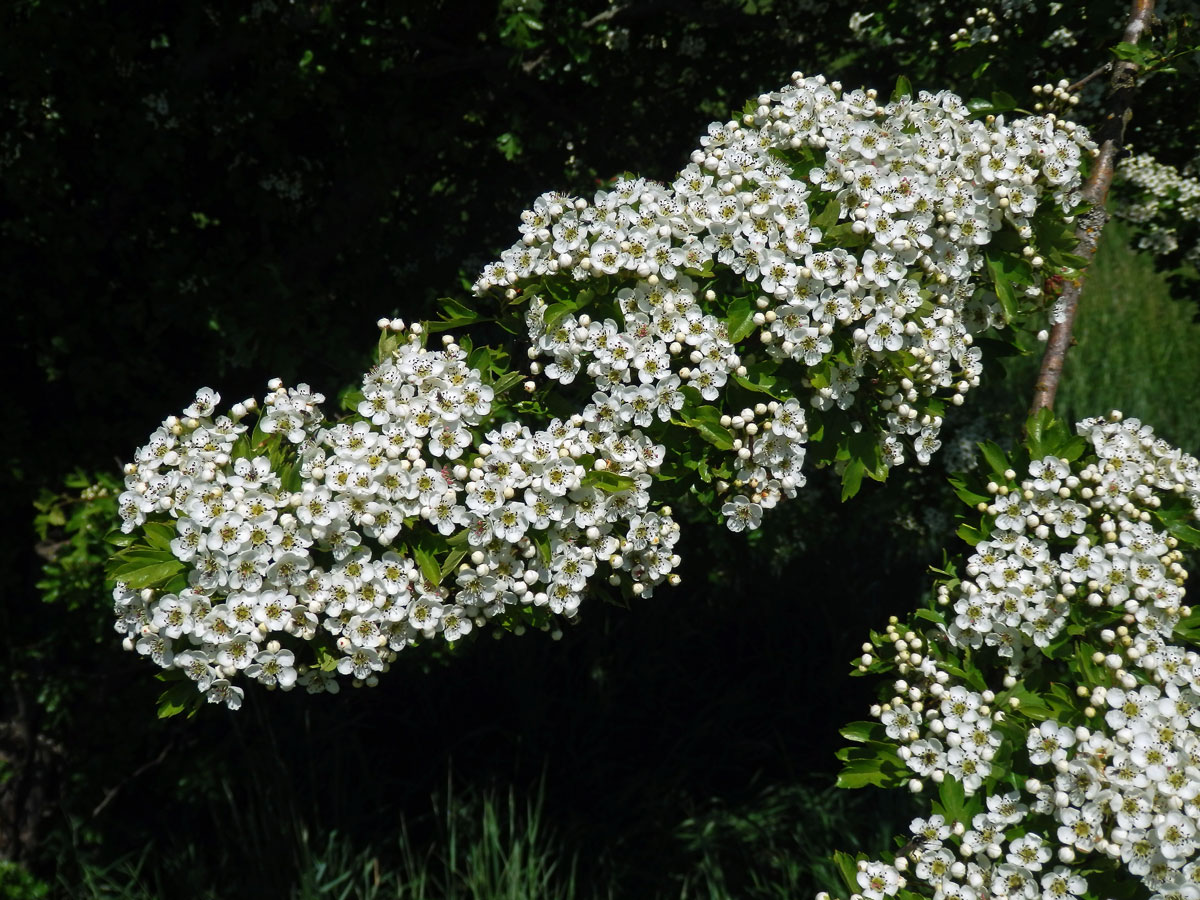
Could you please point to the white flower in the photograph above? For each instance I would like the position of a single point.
(741, 514)
(1049, 742)
(1029, 851)
(361, 662)
(173, 616)
(204, 404)
(198, 666)
(158, 648)
(1062, 884)
(222, 691)
(274, 668)
(879, 880)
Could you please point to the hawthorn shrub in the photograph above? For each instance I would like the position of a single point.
(808, 290)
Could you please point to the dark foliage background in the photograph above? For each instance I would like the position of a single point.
(220, 193)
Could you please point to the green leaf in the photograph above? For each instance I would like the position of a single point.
(430, 568)
(847, 867)
(1072, 449)
(1000, 101)
(996, 459)
(707, 421)
(118, 538)
(852, 477)
(450, 563)
(289, 477)
(176, 584)
(506, 382)
(1003, 101)
(509, 145)
(389, 341)
(1088, 671)
(327, 660)
(757, 388)
(454, 314)
(953, 802)
(1032, 705)
(258, 437)
(870, 763)
(760, 377)
(865, 457)
(1134, 53)
(1003, 286)
(350, 399)
(450, 324)
(971, 534)
(863, 731)
(541, 540)
(179, 697)
(452, 308)
(1042, 437)
(1067, 260)
(828, 216)
(903, 88)
(967, 495)
(480, 358)
(159, 535)
(141, 554)
(1060, 647)
(865, 445)
(609, 482)
(860, 774)
(565, 302)
(1065, 704)
(930, 615)
(555, 313)
(150, 575)
(740, 319)
(1180, 520)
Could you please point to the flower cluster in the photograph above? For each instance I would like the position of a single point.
(1157, 198)
(984, 25)
(850, 234)
(980, 27)
(368, 537)
(854, 238)
(1081, 574)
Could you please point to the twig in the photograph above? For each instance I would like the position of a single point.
(602, 17)
(48, 550)
(1082, 81)
(530, 65)
(112, 792)
(1111, 138)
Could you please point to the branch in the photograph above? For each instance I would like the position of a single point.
(1087, 78)
(602, 17)
(145, 767)
(1111, 138)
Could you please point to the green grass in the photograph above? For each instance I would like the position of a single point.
(491, 847)
(474, 845)
(779, 843)
(1138, 349)
(496, 845)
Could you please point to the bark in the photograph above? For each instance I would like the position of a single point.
(1110, 137)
